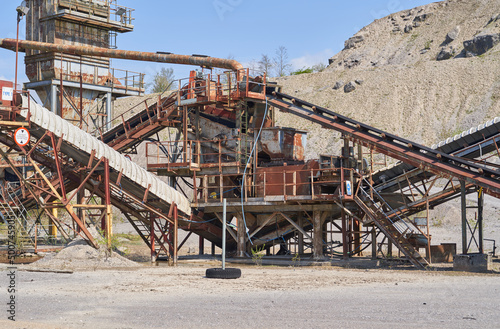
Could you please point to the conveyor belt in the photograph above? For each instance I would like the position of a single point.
(140, 126)
(85, 143)
(396, 147)
(470, 144)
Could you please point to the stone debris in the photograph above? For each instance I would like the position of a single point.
(338, 85)
(446, 53)
(350, 86)
(359, 81)
(453, 35)
(422, 18)
(79, 255)
(481, 43)
(351, 42)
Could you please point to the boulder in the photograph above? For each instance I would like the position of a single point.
(351, 42)
(408, 28)
(349, 87)
(359, 81)
(445, 53)
(422, 18)
(453, 34)
(338, 85)
(481, 43)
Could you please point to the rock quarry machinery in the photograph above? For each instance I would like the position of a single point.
(214, 137)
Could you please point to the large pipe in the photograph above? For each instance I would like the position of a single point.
(197, 60)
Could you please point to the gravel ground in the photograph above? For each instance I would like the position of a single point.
(268, 297)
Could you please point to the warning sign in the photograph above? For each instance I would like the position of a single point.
(22, 136)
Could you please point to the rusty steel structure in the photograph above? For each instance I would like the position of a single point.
(215, 138)
(80, 88)
(160, 57)
(228, 147)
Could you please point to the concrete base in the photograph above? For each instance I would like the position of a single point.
(472, 263)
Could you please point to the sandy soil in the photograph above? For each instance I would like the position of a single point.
(268, 297)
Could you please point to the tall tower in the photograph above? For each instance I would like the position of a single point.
(79, 88)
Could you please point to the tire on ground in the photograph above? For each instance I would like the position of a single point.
(219, 273)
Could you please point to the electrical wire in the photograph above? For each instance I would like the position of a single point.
(245, 172)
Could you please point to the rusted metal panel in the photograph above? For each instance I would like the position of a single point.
(443, 253)
(283, 143)
(285, 180)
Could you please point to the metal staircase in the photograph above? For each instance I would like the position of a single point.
(128, 133)
(396, 229)
(12, 209)
(162, 231)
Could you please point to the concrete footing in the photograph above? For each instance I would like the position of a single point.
(472, 262)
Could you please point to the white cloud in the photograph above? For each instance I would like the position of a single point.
(309, 60)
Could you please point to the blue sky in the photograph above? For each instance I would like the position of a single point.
(312, 31)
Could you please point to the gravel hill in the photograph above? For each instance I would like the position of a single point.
(400, 85)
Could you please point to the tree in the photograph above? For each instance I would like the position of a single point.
(266, 64)
(304, 70)
(281, 61)
(162, 81)
(320, 67)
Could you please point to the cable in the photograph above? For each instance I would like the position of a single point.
(245, 172)
(193, 221)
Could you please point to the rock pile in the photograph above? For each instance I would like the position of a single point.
(79, 255)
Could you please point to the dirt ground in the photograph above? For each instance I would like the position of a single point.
(264, 297)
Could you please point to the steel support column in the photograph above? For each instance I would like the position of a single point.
(201, 246)
(108, 216)
(175, 235)
(152, 237)
(345, 238)
(300, 236)
(80, 196)
(317, 236)
(480, 205)
(53, 99)
(241, 234)
(374, 243)
(463, 200)
(108, 112)
(52, 226)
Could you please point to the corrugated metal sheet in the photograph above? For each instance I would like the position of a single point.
(47, 120)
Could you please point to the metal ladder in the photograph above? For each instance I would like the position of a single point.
(396, 230)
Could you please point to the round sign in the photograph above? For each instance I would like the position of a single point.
(22, 136)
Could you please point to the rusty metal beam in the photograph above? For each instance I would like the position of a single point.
(196, 60)
(391, 145)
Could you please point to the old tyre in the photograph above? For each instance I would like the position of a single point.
(219, 273)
